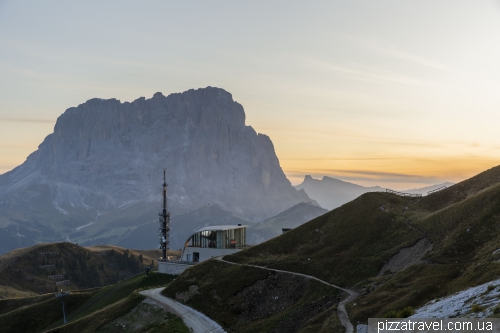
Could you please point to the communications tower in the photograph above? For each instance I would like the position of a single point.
(163, 232)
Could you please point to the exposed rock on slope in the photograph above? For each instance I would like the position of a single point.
(105, 154)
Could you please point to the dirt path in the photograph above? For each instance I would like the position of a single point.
(198, 322)
(341, 311)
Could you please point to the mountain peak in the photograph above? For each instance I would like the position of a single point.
(106, 155)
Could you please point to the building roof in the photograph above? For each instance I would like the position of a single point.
(221, 227)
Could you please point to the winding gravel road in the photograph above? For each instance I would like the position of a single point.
(193, 319)
(341, 311)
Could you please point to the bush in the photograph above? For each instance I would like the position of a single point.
(496, 309)
(391, 314)
(477, 308)
(404, 313)
(491, 287)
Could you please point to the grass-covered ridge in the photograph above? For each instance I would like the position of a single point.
(86, 310)
(248, 299)
(344, 246)
(349, 245)
(29, 270)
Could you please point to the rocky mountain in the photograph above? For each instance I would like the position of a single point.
(104, 162)
(331, 193)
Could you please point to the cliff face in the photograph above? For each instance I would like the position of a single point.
(105, 154)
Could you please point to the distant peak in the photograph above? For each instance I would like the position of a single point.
(308, 177)
(158, 94)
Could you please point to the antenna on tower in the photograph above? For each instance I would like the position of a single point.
(163, 232)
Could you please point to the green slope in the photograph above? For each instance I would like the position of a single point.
(28, 269)
(248, 299)
(86, 310)
(349, 245)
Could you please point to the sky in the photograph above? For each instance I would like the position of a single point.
(400, 94)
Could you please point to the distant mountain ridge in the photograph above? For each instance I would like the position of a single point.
(291, 218)
(425, 190)
(331, 193)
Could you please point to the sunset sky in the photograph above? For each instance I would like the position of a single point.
(400, 94)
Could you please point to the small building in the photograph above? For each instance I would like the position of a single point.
(214, 241)
(63, 283)
(47, 266)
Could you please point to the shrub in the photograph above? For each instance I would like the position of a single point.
(391, 314)
(491, 287)
(477, 308)
(404, 313)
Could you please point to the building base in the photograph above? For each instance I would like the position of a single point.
(172, 267)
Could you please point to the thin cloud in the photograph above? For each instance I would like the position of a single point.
(378, 174)
(343, 159)
(364, 175)
(27, 120)
(367, 74)
(393, 52)
(15, 147)
(380, 139)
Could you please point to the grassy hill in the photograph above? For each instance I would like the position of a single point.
(350, 245)
(247, 299)
(87, 310)
(43, 268)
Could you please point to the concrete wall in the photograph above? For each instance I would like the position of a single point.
(172, 268)
(206, 253)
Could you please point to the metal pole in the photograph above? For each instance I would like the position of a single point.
(64, 313)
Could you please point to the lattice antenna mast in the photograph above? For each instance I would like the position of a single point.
(164, 230)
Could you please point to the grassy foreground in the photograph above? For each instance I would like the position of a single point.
(349, 245)
(247, 299)
(86, 311)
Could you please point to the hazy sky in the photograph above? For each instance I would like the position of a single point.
(394, 93)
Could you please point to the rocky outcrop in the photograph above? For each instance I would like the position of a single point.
(105, 154)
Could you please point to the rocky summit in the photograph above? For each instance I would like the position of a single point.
(104, 155)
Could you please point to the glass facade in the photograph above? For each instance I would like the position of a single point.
(219, 239)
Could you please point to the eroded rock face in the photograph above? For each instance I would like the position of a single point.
(106, 154)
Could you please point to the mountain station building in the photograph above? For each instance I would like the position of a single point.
(206, 243)
(214, 241)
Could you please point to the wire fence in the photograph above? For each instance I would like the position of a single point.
(402, 194)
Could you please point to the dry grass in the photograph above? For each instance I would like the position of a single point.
(247, 299)
(349, 245)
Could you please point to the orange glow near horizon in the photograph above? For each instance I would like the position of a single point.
(401, 95)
